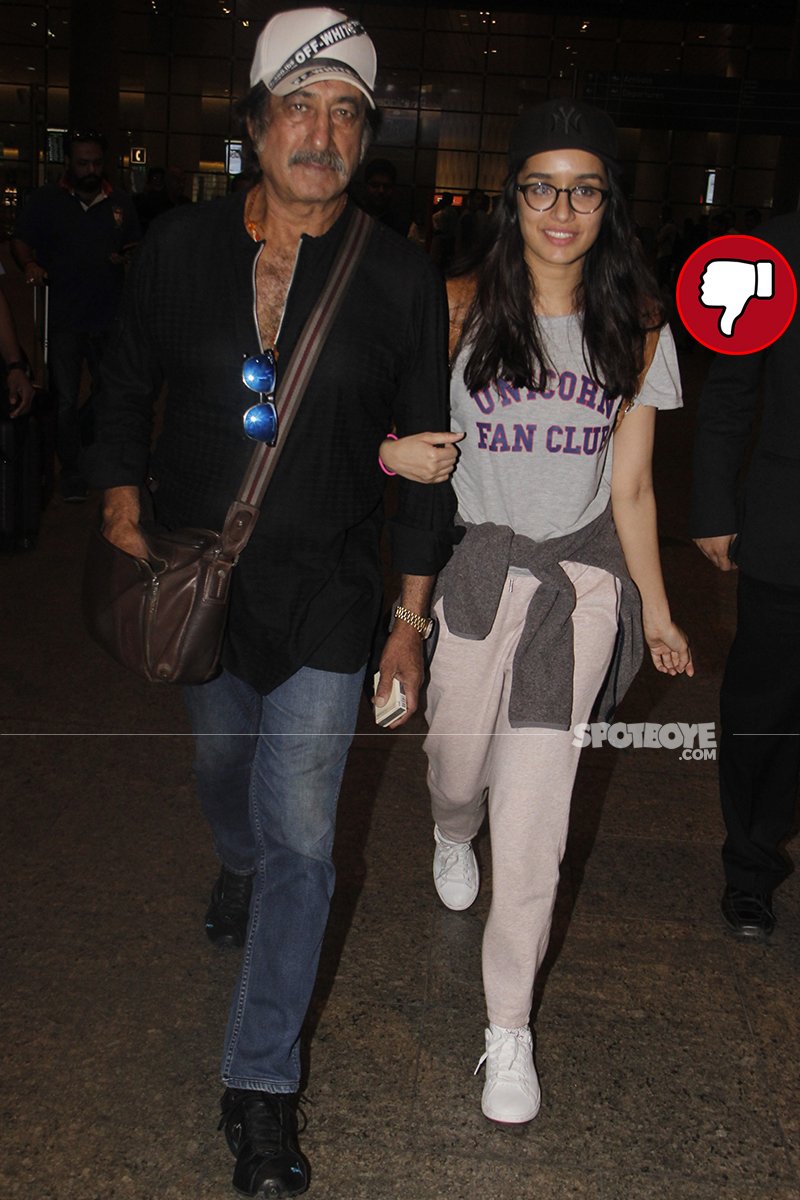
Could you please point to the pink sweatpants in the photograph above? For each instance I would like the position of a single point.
(528, 774)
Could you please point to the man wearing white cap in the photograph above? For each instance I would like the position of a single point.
(215, 283)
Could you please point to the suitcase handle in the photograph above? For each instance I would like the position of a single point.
(41, 334)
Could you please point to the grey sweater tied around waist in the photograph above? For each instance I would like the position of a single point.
(471, 586)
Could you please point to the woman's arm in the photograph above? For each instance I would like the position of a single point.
(634, 507)
(421, 457)
(431, 457)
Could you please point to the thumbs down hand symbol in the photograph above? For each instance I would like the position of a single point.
(730, 284)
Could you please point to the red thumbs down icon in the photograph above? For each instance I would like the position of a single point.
(736, 294)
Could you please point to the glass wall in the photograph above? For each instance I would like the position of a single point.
(701, 103)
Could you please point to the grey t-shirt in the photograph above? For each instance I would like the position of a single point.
(540, 462)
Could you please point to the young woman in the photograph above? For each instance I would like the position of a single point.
(558, 344)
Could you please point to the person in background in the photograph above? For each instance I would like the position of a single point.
(751, 220)
(19, 388)
(380, 181)
(21, 468)
(76, 235)
(175, 184)
(666, 242)
(154, 200)
(753, 524)
(472, 223)
(444, 226)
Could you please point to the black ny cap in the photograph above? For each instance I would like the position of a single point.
(562, 125)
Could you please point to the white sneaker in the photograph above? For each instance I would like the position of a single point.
(511, 1094)
(455, 872)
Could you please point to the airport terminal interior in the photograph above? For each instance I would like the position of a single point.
(706, 94)
(667, 1049)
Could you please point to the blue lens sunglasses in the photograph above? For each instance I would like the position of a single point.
(261, 421)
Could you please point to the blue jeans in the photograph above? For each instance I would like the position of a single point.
(269, 769)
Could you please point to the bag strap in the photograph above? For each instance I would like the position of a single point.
(243, 513)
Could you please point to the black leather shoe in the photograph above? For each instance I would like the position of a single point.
(748, 914)
(261, 1131)
(229, 910)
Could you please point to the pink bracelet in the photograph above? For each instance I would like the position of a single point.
(389, 437)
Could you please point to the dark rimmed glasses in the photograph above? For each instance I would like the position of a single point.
(260, 422)
(583, 198)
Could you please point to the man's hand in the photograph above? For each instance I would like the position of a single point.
(401, 659)
(127, 536)
(121, 521)
(20, 391)
(34, 273)
(717, 550)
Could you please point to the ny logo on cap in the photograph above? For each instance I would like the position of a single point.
(566, 120)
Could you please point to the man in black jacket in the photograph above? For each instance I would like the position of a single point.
(76, 236)
(214, 284)
(757, 531)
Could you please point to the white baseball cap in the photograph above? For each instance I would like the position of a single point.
(310, 44)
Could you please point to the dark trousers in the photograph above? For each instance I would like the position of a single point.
(68, 351)
(759, 758)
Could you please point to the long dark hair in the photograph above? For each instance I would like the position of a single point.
(617, 297)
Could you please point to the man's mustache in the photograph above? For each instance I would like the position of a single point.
(319, 158)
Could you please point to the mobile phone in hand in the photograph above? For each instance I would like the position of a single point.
(395, 707)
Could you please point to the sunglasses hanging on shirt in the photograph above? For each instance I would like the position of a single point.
(260, 422)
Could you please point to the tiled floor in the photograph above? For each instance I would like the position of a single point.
(667, 1051)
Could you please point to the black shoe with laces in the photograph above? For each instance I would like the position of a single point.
(229, 910)
(748, 914)
(261, 1131)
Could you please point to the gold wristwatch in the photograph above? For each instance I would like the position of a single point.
(423, 625)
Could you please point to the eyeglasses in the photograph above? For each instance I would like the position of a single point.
(261, 421)
(582, 198)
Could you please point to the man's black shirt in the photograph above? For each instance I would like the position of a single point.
(307, 588)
